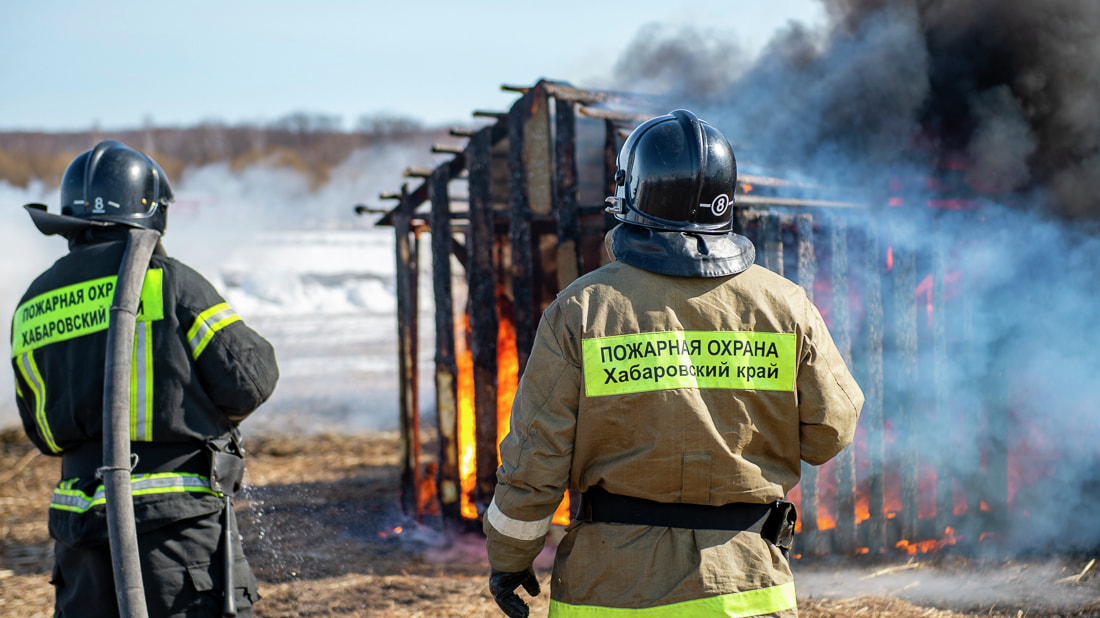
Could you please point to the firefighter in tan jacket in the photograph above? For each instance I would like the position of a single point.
(678, 388)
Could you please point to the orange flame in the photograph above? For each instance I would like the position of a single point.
(930, 545)
(507, 383)
(467, 453)
(426, 499)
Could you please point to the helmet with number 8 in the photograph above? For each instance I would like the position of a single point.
(111, 184)
(676, 173)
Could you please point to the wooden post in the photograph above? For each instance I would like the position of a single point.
(807, 272)
(971, 409)
(523, 266)
(872, 417)
(841, 332)
(772, 237)
(565, 153)
(905, 378)
(407, 271)
(446, 367)
(940, 412)
(610, 166)
(481, 280)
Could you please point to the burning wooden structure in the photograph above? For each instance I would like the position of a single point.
(530, 219)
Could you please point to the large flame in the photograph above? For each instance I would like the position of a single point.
(467, 439)
(507, 383)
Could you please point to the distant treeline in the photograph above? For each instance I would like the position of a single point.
(311, 144)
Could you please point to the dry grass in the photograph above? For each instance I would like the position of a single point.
(318, 519)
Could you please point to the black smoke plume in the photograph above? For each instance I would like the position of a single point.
(1009, 86)
(1003, 97)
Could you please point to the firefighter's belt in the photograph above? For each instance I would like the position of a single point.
(152, 457)
(774, 522)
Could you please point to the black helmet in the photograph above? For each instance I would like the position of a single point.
(107, 185)
(676, 173)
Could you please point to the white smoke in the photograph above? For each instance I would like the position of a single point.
(296, 263)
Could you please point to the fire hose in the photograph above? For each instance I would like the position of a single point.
(121, 527)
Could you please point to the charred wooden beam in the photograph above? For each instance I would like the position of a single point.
(520, 228)
(790, 202)
(407, 245)
(420, 194)
(906, 375)
(940, 414)
(970, 408)
(447, 149)
(498, 116)
(807, 273)
(481, 281)
(772, 237)
(628, 118)
(569, 233)
(995, 438)
(417, 172)
(872, 417)
(565, 92)
(841, 330)
(610, 166)
(446, 365)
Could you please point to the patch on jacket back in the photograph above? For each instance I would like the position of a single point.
(77, 310)
(645, 362)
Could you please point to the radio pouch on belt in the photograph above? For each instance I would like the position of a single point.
(226, 475)
(226, 463)
(779, 526)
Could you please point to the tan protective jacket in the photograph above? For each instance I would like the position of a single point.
(673, 389)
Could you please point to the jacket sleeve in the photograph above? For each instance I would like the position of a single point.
(829, 400)
(234, 364)
(537, 453)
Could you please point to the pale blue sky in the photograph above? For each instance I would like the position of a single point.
(71, 65)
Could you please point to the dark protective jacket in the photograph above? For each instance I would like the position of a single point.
(697, 390)
(197, 371)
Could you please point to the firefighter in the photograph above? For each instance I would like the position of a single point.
(678, 389)
(197, 372)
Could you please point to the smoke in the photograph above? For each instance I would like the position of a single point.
(1011, 87)
(996, 102)
(293, 260)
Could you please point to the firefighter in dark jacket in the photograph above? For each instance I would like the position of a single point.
(677, 388)
(197, 372)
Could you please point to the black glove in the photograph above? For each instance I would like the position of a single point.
(503, 585)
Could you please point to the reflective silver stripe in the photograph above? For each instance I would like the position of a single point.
(517, 528)
(206, 324)
(68, 499)
(141, 384)
(30, 373)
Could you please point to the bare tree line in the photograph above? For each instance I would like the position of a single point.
(309, 143)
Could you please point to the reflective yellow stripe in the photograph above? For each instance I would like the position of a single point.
(29, 370)
(65, 498)
(77, 310)
(141, 384)
(735, 605)
(18, 389)
(517, 528)
(647, 362)
(206, 324)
